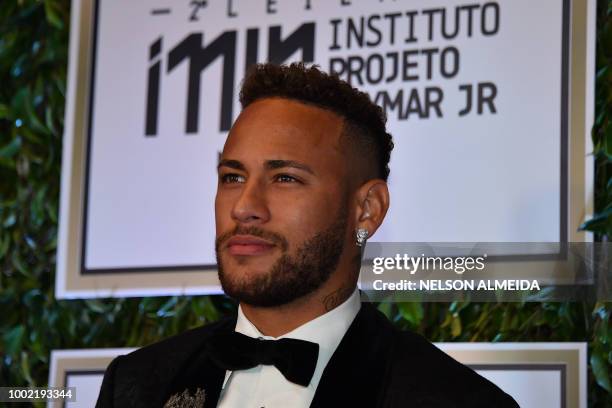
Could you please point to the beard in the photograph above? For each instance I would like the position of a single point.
(291, 276)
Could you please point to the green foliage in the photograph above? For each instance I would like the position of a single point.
(601, 134)
(33, 58)
(600, 347)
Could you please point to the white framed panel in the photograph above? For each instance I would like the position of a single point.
(143, 129)
(83, 369)
(538, 375)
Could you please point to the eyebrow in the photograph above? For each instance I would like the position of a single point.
(269, 165)
(234, 164)
(279, 164)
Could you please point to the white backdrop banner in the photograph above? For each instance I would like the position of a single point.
(476, 96)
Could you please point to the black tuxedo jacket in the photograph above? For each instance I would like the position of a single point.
(375, 365)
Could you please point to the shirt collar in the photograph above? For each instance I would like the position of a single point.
(326, 330)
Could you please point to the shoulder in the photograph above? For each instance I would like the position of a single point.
(419, 371)
(173, 348)
(138, 376)
(443, 377)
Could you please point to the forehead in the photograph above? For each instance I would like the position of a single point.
(276, 128)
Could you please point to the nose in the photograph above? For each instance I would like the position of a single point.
(251, 207)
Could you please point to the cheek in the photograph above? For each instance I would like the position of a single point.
(222, 213)
(303, 217)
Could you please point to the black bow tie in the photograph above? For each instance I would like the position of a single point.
(295, 359)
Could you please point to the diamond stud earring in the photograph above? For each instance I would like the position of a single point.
(362, 236)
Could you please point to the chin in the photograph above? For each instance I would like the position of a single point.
(241, 270)
(239, 284)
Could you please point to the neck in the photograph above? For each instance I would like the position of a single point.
(276, 321)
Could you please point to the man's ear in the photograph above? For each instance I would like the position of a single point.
(372, 205)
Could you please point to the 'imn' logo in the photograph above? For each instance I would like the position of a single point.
(192, 50)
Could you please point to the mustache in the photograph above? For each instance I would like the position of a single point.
(273, 237)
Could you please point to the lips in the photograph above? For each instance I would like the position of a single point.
(248, 245)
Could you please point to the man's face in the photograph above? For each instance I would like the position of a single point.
(281, 204)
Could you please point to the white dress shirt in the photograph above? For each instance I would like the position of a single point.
(264, 385)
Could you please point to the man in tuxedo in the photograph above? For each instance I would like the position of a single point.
(302, 185)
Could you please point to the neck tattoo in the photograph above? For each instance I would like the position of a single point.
(335, 298)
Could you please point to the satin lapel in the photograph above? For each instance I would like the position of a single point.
(198, 371)
(354, 376)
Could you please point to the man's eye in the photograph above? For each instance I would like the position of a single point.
(232, 178)
(285, 178)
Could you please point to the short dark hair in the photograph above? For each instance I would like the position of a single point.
(364, 121)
